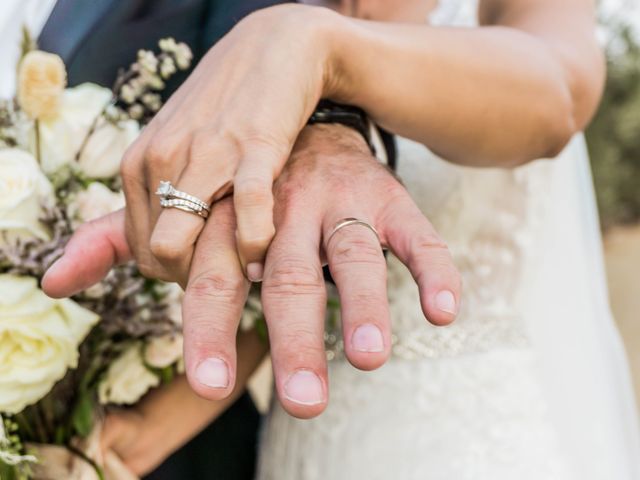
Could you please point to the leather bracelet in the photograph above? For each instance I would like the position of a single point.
(353, 117)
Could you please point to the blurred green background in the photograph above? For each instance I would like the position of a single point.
(614, 145)
(614, 135)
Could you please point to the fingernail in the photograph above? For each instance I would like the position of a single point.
(55, 266)
(446, 302)
(367, 338)
(213, 373)
(255, 271)
(304, 387)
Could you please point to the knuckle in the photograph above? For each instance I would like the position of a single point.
(256, 242)
(160, 152)
(430, 241)
(130, 167)
(214, 152)
(167, 249)
(253, 192)
(216, 286)
(350, 248)
(293, 277)
(148, 270)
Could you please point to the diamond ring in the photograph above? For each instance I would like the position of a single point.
(170, 197)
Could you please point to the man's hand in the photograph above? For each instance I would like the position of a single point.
(330, 176)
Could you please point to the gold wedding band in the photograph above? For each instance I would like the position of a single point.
(346, 222)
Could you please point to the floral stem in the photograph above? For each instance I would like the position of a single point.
(38, 149)
(87, 459)
(91, 131)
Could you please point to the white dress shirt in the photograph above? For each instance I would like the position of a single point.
(15, 14)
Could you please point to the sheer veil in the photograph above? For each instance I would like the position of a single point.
(582, 364)
(583, 367)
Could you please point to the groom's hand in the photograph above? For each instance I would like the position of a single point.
(330, 176)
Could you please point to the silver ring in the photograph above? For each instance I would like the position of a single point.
(346, 222)
(185, 206)
(167, 191)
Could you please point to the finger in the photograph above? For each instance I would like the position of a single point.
(415, 242)
(359, 270)
(138, 226)
(119, 430)
(253, 201)
(92, 251)
(208, 170)
(212, 307)
(294, 303)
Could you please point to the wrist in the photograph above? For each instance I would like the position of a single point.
(333, 31)
(330, 139)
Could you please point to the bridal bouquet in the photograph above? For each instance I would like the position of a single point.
(63, 361)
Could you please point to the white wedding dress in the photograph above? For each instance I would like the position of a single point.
(531, 382)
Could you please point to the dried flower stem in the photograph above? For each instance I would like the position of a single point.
(86, 458)
(38, 142)
(92, 130)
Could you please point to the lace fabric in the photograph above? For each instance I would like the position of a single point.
(530, 382)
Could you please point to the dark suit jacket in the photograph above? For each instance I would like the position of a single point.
(96, 38)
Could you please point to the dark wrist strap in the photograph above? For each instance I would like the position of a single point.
(353, 117)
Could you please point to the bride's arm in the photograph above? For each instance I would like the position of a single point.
(170, 416)
(513, 90)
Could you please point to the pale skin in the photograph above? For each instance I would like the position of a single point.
(513, 90)
(468, 94)
(312, 192)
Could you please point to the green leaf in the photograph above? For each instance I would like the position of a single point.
(7, 472)
(82, 416)
(166, 374)
(262, 330)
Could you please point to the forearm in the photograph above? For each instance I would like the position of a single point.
(176, 414)
(490, 96)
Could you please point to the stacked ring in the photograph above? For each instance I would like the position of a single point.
(171, 197)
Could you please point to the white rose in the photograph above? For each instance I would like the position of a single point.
(40, 338)
(62, 136)
(127, 379)
(173, 299)
(23, 189)
(163, 351)
(95, 202)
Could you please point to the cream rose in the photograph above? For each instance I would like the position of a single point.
(23, 189)
(163, 351)
(39, 339)
(127, 379)
(62, 136)
(94, 202)
(41, 81)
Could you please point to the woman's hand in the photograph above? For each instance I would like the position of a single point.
(231, 125)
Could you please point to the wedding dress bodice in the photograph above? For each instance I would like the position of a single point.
(529, 382)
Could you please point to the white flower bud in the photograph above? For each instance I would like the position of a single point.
(136, 112)
(168, 45)
(127, 94)
(152, 101)
(148, 60)
(167, 68)
(183, 56)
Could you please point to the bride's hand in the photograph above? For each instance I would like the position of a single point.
(231, 125)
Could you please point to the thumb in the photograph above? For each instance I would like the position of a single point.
(92, 251)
